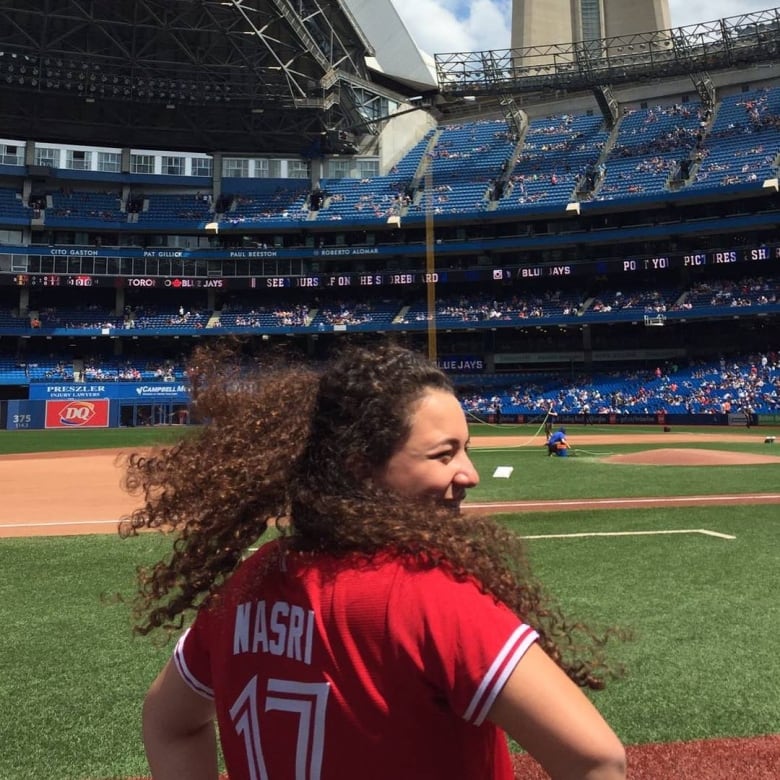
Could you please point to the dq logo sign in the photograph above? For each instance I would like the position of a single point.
(77, 414)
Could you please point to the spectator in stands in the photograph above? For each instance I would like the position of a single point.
(414, 632)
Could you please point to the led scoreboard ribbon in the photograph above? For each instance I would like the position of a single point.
(751, 256)
(311, 281)
(60, 280)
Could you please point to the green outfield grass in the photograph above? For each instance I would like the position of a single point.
(87, 439)
(703, 609)
(57, 440)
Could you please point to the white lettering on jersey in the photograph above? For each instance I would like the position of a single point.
(283, 629)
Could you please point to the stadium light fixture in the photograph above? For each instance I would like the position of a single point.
(573, 208)
(771, 184)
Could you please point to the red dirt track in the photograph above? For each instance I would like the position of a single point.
(80, 492)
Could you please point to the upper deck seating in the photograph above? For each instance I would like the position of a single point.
(744, 141)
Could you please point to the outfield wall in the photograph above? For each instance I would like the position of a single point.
(98, 405)
(127, 404)
(659, 418)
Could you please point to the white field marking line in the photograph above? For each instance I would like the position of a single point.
(524, 448)
(55, 524)
(607, 501)
(584, 535)
(633, 533)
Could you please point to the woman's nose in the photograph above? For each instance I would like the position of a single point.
(467, 475)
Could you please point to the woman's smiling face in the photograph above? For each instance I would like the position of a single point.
(434, 460)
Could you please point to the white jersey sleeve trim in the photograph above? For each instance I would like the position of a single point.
(181, 664)
(499, 672)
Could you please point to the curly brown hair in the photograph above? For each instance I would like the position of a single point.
(295, 449)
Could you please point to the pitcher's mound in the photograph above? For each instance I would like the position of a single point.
(692, 457)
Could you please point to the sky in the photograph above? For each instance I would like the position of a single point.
(445, 26)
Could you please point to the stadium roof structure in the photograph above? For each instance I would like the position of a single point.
(243, 76)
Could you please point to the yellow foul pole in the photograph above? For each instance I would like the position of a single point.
(430, 263)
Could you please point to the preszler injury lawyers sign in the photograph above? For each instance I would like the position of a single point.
(173, 392)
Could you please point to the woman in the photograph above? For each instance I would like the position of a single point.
(383, 634)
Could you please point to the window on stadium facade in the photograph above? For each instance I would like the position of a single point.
(173, 166)
(590, 11)
(78, 160)
(142, 163)
(11, 155)
(298, 169)
(47, 156)
(368, 169)
(233, 168)
(110, 162)
(262, 169)
(202, 166)
(339, 169)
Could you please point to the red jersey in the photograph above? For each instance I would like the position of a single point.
(333, 669)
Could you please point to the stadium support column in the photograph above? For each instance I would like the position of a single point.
(216, 177)
(705, 88)
(587, 347)
(24, 301)
(608, 104)
(119, 301)
(516, 119)
(316, 173)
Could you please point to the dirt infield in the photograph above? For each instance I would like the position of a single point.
(62, 493)
(69, 493)
(695, 457)
(73, 492)
(757, 758)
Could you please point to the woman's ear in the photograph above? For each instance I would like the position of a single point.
(361, 470)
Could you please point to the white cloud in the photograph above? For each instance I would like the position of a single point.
(685, 12)
(442, 26)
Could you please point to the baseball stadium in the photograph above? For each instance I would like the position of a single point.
(582, 234)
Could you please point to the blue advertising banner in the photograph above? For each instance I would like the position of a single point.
(172, 392)
(25, 415)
